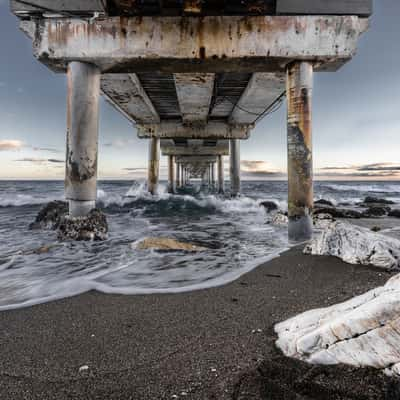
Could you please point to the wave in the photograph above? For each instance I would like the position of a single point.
(375, 188)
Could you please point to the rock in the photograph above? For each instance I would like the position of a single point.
(41, 250)
(323, 202)
(280, 219)
(356, 245)
(394, 213)
(167, 244)
(50, 216)
(322, 221)
(269, 205)
(362, 332)
(376, 211)
(338, 212)
(376, 200)
(376, 229)
(92, 227)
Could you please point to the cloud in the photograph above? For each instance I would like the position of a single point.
(259, 169)
(6, 145)
(134, 169)
(120, 143)
(35, 160)
(359, 171)
(48, 149)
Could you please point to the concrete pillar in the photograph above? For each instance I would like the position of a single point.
(154, 165)
(235, 166)
(178, 175)
(221, 182)
(213, 175)
(171, 175)
(299, 85)
(82, 137)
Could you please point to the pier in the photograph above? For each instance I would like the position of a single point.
(194, 77)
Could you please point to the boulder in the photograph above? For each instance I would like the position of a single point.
(323, 202)
(269, 205)
(92, 227)
(376, 211)
(377, 200)
(167, 244)
(280, 219)
(339, 212)
(394, 213)
(50, 215)
(356, 245)
(361, 332)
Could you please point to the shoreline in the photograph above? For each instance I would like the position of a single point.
(193, 345)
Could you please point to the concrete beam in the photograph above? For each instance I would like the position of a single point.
(194, 94)
(261, 92)
(191, 44)
(213, 130)
(126, 94)
(196, 159)
(194, 148)
(78, 7)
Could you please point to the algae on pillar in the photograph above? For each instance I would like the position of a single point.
(154, 165)
(299, 85)
(235, 167)
(82, 137)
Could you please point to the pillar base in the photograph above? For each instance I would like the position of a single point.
(300, 229)
(81, 208)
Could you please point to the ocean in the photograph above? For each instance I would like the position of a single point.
(236, 231)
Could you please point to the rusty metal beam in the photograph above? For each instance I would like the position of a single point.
(190, 44)
(300, 168)
(194, 93)
(126, 94)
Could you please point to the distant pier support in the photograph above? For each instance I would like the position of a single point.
(82, 137)
(221, 188)
(300, 169)
(171, 175)
(154, 165)
(178, 175)
(235, 167)
(213, 175)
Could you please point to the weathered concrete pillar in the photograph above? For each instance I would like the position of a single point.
(171, 175)
(213, 175)
(300, 171)
(221, 179)
(154, 165)
(235, 166)
(82, 137)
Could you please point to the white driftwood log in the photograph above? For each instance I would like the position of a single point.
(364, 331)
(356, 245)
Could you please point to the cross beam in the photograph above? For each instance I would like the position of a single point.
(191, 44)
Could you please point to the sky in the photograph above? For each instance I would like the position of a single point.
(356, 116)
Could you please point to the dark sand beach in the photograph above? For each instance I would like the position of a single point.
(210, 344)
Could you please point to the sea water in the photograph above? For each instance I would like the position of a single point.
(237, 233)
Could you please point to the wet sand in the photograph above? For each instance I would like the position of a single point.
(210, 344)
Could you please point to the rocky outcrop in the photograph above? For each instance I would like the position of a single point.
(362, 332)
(280, 219)
(50, 216)
(324, 203)
(339, 212)
(394, 213)
(269, 205)
(92, 227)
(167, 244)
(356, 245)
(376, 200)
(376, 211)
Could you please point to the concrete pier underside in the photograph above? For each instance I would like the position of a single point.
(193, 85)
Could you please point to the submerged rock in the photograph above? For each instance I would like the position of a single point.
(376, 211)
(92, 227)
(50, 215)
(394, 213)
(362, 332)
(269, 205)
(323, 202)
(376, 200)
(356, 245)
(167, 244)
